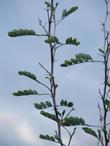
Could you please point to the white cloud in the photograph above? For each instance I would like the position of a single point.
(25, 132)
(19, 128)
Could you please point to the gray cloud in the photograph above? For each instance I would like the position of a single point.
(15, 131)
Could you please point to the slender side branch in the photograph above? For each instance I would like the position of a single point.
(44, 68)
(69, 113)
(71, 137)
(43, 84)
(43, 26)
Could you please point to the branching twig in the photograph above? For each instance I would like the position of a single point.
(69, 113)
(71, 136)
(43, 26)
(43, 84)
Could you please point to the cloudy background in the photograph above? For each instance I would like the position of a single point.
(20, 123)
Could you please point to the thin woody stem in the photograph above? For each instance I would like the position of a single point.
(103, 95)
(51, 18)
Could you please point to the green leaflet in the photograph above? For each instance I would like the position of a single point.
(48, 4)
(70, 104)
(65, 103)
(42, 105)
(66, 12)
(68, 62)
(101, 51)
(63, 112)
(21, 32)
(90, 131)
(107, 102)
(99, 134)
(48, 115)
(108, 84)
(47, 137)
(79, 58)
(27, 74)
(71, 41)
(85, 57)
(63, 65)
(72, 121)
(52, 39)
(63, 13)
(38, 106)
(59, 114)
(48, 103)
(57, 137)
(74, 61)
(25, 92)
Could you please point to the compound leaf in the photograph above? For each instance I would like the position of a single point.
(42, 105)
(79, 58)
(25, 92)
(90, 131)
(66, 12)
(47, 137)
(49, 115)
(27, 74)
(21, 32)
(72, 121)
(71, 41)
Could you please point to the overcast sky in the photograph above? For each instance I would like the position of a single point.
(20, 123)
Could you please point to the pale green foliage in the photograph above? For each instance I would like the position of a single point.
(43, 105)
(21, 32)
(90, 131)
(52, 39)
(27, 74)
(47, 137)
(66, 12)
(72, 121)
(79, 58)
(72, 41)
(25, 92)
